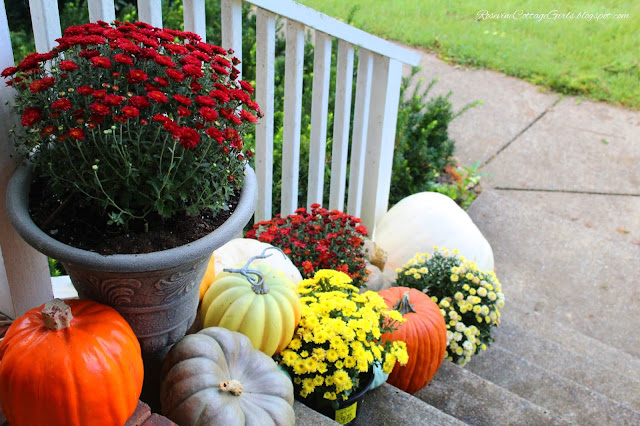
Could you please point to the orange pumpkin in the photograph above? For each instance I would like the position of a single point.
(424, 332)
(70, 363)
(209, 276)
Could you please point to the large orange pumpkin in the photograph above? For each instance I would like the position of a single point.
(70, 363)
(424, 332)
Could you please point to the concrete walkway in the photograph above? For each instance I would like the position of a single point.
(561, 202)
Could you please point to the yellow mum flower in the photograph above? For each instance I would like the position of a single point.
(295, 344)
(454, 278)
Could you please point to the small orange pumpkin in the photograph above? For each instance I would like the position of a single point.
(70, 363)
(209, 277)
(424, 332)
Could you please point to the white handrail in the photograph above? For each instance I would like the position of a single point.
(321, 22)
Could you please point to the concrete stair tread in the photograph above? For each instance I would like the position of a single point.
(305, 416)
(389, 406)
(570, 400)
(613, 378)
(571, 274)
(476, 401)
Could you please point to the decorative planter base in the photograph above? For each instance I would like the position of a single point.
(347, 411)
(157, 293)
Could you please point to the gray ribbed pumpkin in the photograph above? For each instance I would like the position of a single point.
(215, 377)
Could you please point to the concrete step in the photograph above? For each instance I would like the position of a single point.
(568, 273)
(570, 400)
(387, 405)
(305, 416)
(476, 401)
(616, 379)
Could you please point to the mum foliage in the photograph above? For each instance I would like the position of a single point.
(469, 299)
(320, 239)
(136, 119)
(338, 338)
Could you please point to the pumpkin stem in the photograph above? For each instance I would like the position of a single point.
(56, 315)
(233, 386)
(404, 306)
(257, 283)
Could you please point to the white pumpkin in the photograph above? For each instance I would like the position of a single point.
(427, 219)
(240, 250)
(376, 280)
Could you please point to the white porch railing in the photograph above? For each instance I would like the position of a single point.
(24, 280)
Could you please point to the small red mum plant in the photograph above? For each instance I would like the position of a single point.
(319, 239)
(137, 120)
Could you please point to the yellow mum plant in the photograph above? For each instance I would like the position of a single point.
(339, 337)
(469, 299)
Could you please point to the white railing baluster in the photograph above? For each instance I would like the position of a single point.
(383, 115)
(194, 17)
(341, 123)
(294, 62)
(45, 19)
(319, 113)
(231, 19)
(359, 136)
(24, 273)
(265, 72)
(102, 10)
(150, 11)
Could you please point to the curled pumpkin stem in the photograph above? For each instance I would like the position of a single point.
(257, 281)
(233, 386)
(404, 306)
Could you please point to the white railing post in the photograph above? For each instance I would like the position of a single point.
(102, 10)
(265, 74)
(24, 273)
(193, 12)
(383, 115)
(359, 137)
(231, 20)
(45, 20)
(150, 11)
(294, 62)
(319, 114)
(341, 123)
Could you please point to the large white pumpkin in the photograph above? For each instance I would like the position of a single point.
(240, 250)
(427, 219)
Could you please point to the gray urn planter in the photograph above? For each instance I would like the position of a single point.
(157, 293)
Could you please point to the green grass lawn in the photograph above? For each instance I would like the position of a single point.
(598, 59)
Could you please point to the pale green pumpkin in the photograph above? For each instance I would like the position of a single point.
(267, 313)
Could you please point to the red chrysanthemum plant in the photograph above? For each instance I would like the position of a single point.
(319, 239)
(138, 120)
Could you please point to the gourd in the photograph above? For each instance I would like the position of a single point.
(239, 250)
(209, 276)
(424, 332)
(70, 363)
(215, 377)
(261, 303)
(427, 219)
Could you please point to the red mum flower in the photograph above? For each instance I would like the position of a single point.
(68, 66)
(216, 134)
(130, 112)
(88, 53)
(246, 87)
(189, 138)
(183, 100)
(161, 118)
(136, 76)
(157, 96)
(195, 86)
(193, 70)
(307, 266)
(99, 94)
(77, 134)
(246, 115)
(164, 60)
(176, 49)
(42, 84)
(182, 111)
(161, 81)
(61, 104)
(101, 62)
(139, 102)
(220, 95)
(98, 108)
(174, 74)
(31, 116)
(205, 101)
(113, 100)
(208, 114)
(85, 90)
(8, 72)
(121, 58)
(219, 69)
